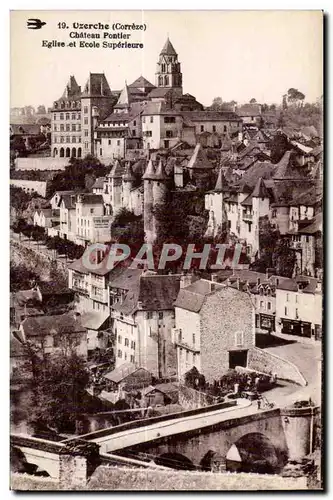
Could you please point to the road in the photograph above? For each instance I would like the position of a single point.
(306, 354)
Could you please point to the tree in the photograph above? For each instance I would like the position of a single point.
(281, 121)
(60, 391)
(278, 146)
(194, 379)
(127, 228)
(272, 107)
(41, 110)
(216, 104)
(294, 96)
(253, 100)
(275, 251)
(284, 258)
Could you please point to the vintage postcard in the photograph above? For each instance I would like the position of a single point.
(166, 250)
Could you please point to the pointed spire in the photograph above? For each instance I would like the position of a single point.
(124, 98)
(168, 49)
(128, 174)
(116, 171)
(150, 172)
(160, 173)
(260, 190)
(220, 183)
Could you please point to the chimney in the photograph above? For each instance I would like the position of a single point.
(258, 281)
(240, 136)
(185, 280)
(214, 277)
(277, 281)
(139, 304)
(238, 283)
(319, 287)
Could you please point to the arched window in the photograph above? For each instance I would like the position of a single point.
(261, 290)
(68, 152)
(55, 152)
(62, 152)
(79, 152)
(160, 80)
(73, 152)
(166, 80)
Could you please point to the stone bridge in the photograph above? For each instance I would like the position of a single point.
(234, 437)
(69, 463)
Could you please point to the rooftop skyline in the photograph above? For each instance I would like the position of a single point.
(230, 54)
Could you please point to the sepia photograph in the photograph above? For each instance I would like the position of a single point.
(166, 250)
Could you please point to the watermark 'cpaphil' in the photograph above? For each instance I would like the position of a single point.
(99, 256)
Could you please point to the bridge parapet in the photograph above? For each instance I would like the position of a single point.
(299, 429)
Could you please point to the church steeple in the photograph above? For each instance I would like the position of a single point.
(168, 72)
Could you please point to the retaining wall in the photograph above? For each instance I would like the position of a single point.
(263, 361)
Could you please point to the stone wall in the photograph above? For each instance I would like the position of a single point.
(41, 163)
(190, 399)
(263, 361)
(37, 261)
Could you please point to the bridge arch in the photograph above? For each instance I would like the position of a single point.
(19, 463)
(175, 461)
(254, 452)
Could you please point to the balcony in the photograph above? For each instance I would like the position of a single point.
(99, 294)
(247, 217)
(80, 287)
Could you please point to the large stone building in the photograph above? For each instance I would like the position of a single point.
(75, 116)
(214, 329)
(108, 124)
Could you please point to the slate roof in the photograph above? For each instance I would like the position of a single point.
(128, 173)
(117, 170)
(69, 201)
(199, 160)
(150, 292)
(28, 129)
(17, 349)
(92, 199)
(207, 115)
(99, 183)
(264, 169)
(159, 92)
(168, 48)
(122, 372)
(314, 227)
(141, 82)
(159, 108)
(96, 85)
(260, 190)
(317, 150)
(54, 325)
(94, 320)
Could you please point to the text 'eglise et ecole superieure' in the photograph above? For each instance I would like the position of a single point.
(98, 31)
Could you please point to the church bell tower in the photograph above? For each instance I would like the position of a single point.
(168, 72)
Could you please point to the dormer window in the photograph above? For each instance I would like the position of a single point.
(261, 291)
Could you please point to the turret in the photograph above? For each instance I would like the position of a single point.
(115, 183)
(128, 180)
(148, 202)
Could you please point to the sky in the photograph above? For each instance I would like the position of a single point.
(236, 55)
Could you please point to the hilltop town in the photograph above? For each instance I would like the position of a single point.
(145, 167)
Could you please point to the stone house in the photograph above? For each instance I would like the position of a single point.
(215, 327)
